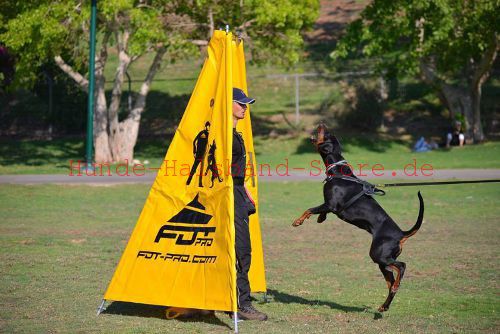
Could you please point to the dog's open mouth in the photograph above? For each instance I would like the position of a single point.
(314, 137)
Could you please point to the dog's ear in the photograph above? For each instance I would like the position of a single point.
(321, 137)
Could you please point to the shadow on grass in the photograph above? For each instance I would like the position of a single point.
(40, 152)
(291, 299)
(163, 113)
(155, 311)
(152, 147)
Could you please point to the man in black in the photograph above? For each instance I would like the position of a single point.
(243, 207)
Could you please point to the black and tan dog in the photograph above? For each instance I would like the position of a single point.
(350, 199)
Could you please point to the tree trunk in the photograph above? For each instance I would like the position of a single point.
(115, 141)
(123, 140)
(102, 148)
(480, 74)
(466, 102)
(477, 126)
(459, 102)
(118, 131)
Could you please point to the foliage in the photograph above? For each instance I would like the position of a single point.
(51, 28)
(272, 28)
(401, 33)
(451, 44)
(44, 29)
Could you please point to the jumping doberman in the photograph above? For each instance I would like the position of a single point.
(351, 200)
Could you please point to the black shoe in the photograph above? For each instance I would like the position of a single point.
(250, 313)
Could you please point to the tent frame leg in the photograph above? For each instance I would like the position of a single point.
(101, 307)
(235, 322)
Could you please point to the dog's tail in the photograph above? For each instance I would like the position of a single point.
(420, 218)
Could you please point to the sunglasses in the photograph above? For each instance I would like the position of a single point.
(243, 105)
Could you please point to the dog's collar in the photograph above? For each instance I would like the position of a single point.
(332, 166)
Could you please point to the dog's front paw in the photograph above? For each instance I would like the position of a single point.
(297, 222)
(321, 218)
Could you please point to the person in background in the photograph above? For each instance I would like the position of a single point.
(455, 137)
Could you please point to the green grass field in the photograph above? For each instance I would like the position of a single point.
(59, 246)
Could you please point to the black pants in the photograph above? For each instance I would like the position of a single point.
(243, 246)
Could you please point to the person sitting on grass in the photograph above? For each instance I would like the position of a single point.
(455, 137)
(423, 145)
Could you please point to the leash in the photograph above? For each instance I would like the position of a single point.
(411, 184)
(370, 189)
(387, 185)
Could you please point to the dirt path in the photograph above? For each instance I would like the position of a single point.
(445, 174)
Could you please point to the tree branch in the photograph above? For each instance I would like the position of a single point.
(140, 102)
(77, 77)
(428, 71)
(429, 75)
(103, 53)
(199, 42)
(482, 70)
(419, 25)
(211, 24)
(124, 61)
(246, 25)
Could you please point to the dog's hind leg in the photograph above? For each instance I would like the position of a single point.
(320, 209)
(389, 279)
(398, 269)
(384, 252)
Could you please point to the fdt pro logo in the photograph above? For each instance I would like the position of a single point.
(187, 216)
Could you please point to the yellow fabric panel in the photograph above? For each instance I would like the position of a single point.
(256, 275)
(181, 252)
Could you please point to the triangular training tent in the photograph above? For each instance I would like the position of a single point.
(182, 250)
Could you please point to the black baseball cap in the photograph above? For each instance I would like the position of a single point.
(240, 97)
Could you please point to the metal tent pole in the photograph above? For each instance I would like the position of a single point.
(101, 307)
(235, 322)
(235, 313)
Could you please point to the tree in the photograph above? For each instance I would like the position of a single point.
(450, 44)
(58, 31)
